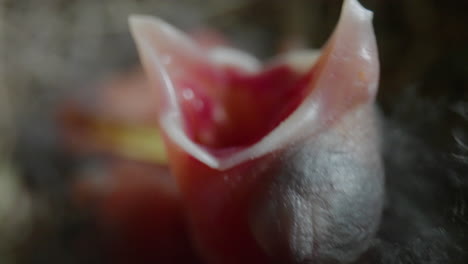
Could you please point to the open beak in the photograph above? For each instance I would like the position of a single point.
(276, 163)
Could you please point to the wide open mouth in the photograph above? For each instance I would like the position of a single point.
(226, 113)
(228, 107)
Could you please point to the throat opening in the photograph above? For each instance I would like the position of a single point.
(230, 108)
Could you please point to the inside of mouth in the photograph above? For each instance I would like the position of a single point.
(225, 107)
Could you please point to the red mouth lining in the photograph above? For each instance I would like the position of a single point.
(228, 108)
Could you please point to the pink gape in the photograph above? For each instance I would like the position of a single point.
(276, 164)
